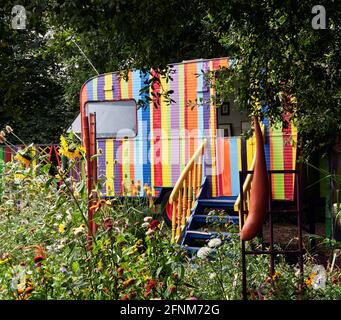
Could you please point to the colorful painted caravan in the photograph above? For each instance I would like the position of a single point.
(153, 145)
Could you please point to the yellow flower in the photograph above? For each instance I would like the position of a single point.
(100, 265)
(65, 149)
(23, 160)
(4, 261)
(61, 228)
(276, 276)
(310, 279)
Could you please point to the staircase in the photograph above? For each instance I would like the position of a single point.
(210, 218)
(197, 218)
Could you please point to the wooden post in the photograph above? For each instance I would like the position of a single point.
(190, 194)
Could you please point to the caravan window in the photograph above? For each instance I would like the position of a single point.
(114, 119)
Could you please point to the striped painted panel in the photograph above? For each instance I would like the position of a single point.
(168, 135)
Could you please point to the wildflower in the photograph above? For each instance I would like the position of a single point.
(99, 265)
(138, 185)
(70, 151)
(147, 219)
(214, 243)
(23, 159)
(38, 259)
(149, 287)
(276, 275)
(128, 282)
(319, 281)
(63, 269)
(125, 297)
(4, 261)
(204, 252)
(175, 276)
(145, 225)
(120, 271)
(212, 275)
(79, 229)
(155, 224)
(172, 289)
(108, 224)
(61, 228)
(9, 129)
(310, 279)
(145, 187)
(149, 232)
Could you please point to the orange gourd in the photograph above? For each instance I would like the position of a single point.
(259, 191)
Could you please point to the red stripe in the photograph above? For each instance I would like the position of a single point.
(157, 133)
(287, 159)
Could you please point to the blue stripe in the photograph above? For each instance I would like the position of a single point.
(267, 141)
(89, 90)
(145, 133)
(234, 166)
(138, 141)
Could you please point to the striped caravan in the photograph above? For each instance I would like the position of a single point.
(167, 135)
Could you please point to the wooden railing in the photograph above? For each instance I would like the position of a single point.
(238, 206)
(185, 192)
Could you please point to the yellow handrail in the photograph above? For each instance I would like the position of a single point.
(247, 185)
(186, 191)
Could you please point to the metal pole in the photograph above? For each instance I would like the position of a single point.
(241, 182)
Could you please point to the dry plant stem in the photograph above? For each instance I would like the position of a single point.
(18, 138)
(76, 201)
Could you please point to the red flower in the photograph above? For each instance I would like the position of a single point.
(150, 285)
(38, 259)
(125, 297)
(154, 224)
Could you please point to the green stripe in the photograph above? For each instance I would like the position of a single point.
(278, 162)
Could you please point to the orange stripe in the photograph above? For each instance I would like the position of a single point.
(192, 110)
(227, 185)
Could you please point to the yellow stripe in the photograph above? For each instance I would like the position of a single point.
(165, 143)
(94, 89)
(108, 87)
(239, 154)
(109, 169)
(125, 163)
(124, 89)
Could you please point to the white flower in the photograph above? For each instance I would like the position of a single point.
(78, 230)
(319, 281)
(211, 213)
(147, 219)
(150, 231)
(203, 252)
(145, 225)
(214, 243)
(212, 275)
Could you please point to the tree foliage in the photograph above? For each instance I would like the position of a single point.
(277, 55)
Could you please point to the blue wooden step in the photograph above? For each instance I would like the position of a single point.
(190, 234)
(219, 202)
(210, 219)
